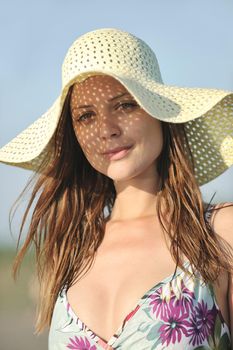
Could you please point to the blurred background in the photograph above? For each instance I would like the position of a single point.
(193, 43)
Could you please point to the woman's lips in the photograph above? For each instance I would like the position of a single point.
(118, 155)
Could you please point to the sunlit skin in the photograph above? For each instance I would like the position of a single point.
(133, 236)
(120, 122)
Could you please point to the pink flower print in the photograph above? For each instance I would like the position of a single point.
(159, 305)
(195, 332)
(206, 318)
(175, 324)
(202, 323)
(80, 344)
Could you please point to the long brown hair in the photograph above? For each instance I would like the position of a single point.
(68, 220)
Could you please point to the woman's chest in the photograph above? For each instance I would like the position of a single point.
(117, 280)
(119, 277)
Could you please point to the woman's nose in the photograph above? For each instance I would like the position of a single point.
(108, 128)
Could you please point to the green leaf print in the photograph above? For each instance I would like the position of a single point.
(224, 343)
(217, 330)
(143, 327)
(218, 342)
(147, 311)
(211, 342)
(151, 330)
(154, 331)
(153, 334)
(211, 289)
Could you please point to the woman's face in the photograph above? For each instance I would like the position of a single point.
(111, 118)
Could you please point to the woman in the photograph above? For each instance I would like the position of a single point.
(128, 254)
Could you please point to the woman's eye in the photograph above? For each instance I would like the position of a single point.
(129, 104)
(83, 117)
(124, 105)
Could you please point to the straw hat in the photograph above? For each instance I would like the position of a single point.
(207, 113)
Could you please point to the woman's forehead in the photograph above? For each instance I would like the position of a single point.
(98, 86)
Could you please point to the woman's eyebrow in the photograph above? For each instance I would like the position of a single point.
(111, 99)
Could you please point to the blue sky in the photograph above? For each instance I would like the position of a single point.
(192, 40)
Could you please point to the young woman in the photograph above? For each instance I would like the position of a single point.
(129, 256)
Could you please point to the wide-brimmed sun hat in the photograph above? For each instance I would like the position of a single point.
(207, 113)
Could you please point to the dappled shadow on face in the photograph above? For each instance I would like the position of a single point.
(106, 116)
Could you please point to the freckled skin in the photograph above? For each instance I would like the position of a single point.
(109, 125)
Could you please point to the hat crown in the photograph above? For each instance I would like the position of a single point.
(110, 50)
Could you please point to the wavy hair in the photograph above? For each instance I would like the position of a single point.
(70, 198)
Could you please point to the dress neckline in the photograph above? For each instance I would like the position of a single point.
(130, 316)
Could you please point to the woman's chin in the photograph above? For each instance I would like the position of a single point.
(120, 173)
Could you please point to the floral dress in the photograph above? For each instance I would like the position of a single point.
(178, 313)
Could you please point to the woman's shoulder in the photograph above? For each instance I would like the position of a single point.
(221, 219)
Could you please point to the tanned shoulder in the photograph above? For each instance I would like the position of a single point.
(222, 221)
